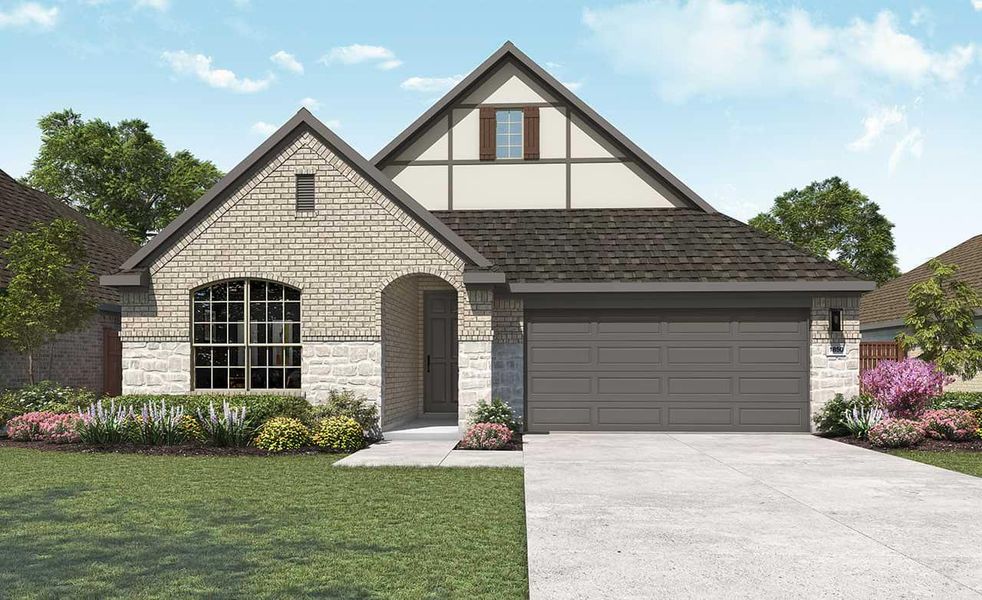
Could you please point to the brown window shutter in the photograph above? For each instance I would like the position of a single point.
(487, 144)
(531, 133)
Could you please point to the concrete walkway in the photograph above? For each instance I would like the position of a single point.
(744, 516)
(427, 453)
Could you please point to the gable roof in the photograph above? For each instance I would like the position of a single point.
(509, 52)
(671, 249)
(22, 206)
(888, 303)
(302, 121)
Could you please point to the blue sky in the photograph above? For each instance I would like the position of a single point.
(742, 100)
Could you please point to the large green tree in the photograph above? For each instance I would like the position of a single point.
(941, 322)
(47, 294)
(831, 219)
(120, 175)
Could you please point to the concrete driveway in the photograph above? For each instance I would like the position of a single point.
(745, 516)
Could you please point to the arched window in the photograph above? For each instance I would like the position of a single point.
(246, 336)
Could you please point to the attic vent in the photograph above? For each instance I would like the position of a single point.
(305, 192)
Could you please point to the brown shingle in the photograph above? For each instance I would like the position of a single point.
(22, 206)
(889, 301)
(632, 244)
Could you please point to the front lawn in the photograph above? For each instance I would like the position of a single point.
(963, 462)
(131, 526)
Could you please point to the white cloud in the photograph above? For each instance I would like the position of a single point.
(977, 4)
(911, 145)
(876, 124)
(160, 5)
(29, 14)
(287, 61)
(572, 85)
(199, 65)
(263, 128)
(310, 103)
(714, 48)
(382, 57)
(430, 84)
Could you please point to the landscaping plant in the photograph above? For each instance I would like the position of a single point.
(104, 426)
(861, 419)
(259, 407)
(896, 433)
(159, 425)
(486, 436)
(962, 400)
(338, 434)
(51, 397)
(949, 424)
(227, 428)
(61, 429)
(344, 403)
(905, 388)
(831, 418)
(496, 411)
(27, 427)
(282, 434)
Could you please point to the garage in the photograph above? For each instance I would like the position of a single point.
(669, 369)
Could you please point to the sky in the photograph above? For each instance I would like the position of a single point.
(743, 100)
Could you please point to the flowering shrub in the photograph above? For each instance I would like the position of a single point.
(281, 434)
(896, 433)
(61, 429)
(27, 427)
(344, 403)
(861, 419)
(339, 434)
(949, 424)
(486, 436)
(158, 425)
(496, 411)
(228, 428)
(104, 426)
(831, 418)
(904, 389)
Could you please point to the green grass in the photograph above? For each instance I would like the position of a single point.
(131, 526)
(963, 462)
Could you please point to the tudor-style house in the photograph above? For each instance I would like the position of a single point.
(510, 243)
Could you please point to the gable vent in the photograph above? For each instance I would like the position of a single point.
(305, 192)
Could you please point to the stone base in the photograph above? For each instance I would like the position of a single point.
(474, 380)
(355, 366)
(508, 375)
(156, 367)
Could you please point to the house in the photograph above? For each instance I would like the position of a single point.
(509, 243)
(88, 357)
(882, 311)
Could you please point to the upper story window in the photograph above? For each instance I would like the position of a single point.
(246, 335)
(508, 134)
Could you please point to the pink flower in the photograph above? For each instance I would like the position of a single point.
(486, 436)
(45, 426)
(904, 388)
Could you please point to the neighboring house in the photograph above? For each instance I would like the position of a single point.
(510, 243)
(882, 311)
(88, 357)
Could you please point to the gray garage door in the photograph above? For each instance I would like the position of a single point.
(708, 370)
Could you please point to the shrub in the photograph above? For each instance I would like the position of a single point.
(61, 429)
(27, 427)
(486, 436)
(339, 434)
(228, 428)
(281, 434)
(45, 396)
(104, 426)
(158, 425)
(191, 430)
(259, 407)
(903, 389)
(344, 403)
(496, 411)
(896, 433)
(831, 418)
(9, 407)
(949, 424)
(962, 400)
(861, 419)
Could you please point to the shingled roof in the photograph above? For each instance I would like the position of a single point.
(21, 206)
(633, 245)
(889, 301)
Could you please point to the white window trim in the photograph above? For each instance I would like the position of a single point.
(521, 134)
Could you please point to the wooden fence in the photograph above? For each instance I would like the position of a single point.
(870, 353)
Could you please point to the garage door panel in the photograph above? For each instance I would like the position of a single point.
(712, 370)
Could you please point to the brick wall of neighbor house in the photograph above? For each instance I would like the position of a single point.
(507, 352)
(73, 359)
(831, 375)
(341, 257)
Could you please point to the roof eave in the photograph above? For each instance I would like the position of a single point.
(138, 278)
(572, 287)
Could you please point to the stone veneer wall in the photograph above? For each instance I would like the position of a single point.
(508, 352)
(341, 256)
(74, 359)
(831, 375)
(474, 357)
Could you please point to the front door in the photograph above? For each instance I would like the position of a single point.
(440, 347)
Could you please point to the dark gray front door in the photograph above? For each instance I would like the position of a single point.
(440, 346)
(706, 370)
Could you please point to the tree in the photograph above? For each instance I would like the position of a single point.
(941, 322)
(120, 175)
(46, 295)
(831, 219)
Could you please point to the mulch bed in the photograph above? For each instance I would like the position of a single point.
(187, 450)
(928, 445)
(514, 445)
